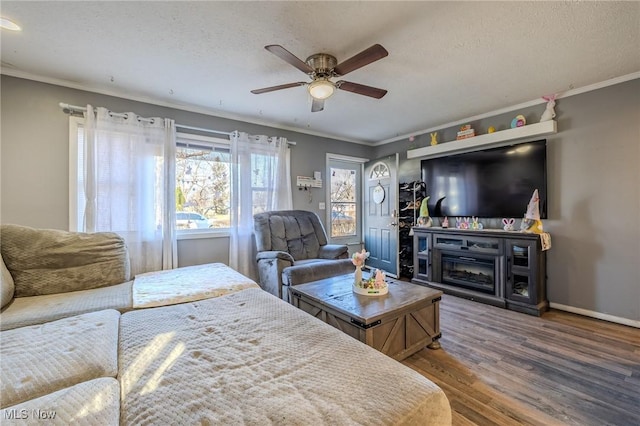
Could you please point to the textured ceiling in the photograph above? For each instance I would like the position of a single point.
(447, 60)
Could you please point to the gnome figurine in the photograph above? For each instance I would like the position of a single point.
(531, 222)
(424, 219)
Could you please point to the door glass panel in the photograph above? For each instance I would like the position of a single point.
(422, 245)
(520, 255)
(422, 266)
(379, 171)
(520, 285)
(449, 241)
(483, 244)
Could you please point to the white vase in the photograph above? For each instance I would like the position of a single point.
(358, 275)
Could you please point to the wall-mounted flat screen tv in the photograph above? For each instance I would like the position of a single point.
(492, 183)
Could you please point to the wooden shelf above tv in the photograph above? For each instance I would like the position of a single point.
(489, 140)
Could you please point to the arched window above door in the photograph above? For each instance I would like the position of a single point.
(379, 170)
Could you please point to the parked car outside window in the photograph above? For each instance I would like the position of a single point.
(190, 220)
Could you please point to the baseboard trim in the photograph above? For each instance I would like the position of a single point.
(594, 314)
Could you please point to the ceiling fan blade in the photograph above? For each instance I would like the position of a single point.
(363, 58)
(280, 87)
(289, 57)
(317, 105)
(361, 89)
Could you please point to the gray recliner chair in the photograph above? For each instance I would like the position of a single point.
(292, 249)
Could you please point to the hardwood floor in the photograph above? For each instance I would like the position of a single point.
(505, 368)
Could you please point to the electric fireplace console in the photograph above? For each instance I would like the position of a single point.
(505, 269)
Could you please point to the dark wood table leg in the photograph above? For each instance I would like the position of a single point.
(434, 345)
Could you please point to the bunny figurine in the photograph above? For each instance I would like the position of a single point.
(466, 224)
(549, 113)
(445, 222)
(459, 223)
(379, 280)
(476, 225)
(508, 224)
(434, 138)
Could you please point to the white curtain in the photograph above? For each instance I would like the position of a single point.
(261, 181)
(130, 184)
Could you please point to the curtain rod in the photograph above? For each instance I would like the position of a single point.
(75, 109)
(200, 129)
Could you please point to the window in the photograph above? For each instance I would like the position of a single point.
(379, 171)
(343, 202)
(344, 195)
(203, 182)
(260, 188)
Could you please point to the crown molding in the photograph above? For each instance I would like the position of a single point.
(520, 106)
(181, 107)
(229, 116)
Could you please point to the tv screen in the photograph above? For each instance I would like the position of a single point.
(493, 183)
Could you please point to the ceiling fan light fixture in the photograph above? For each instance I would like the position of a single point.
(321, 89)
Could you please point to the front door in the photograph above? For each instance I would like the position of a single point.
(380, 213)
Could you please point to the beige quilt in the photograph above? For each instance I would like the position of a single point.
(249, 358)
(44, 358)
(95, 402)
(25, 311)
(187, 284)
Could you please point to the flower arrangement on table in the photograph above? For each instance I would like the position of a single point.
(359, 258)
(373, 286)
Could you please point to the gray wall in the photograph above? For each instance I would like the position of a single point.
(592, 164)
(593, 169)
(35, 156)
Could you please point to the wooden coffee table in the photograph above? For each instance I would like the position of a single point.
(397, 324)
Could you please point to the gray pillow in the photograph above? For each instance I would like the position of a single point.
(48, 261)
(6, 285)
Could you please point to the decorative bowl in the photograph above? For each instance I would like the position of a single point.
(370, 291)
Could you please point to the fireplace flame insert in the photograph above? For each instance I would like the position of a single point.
(469, 271)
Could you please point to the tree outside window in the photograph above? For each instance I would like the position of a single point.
(343, 202)
(203, 178)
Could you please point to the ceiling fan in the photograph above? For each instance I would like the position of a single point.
(322, 67)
